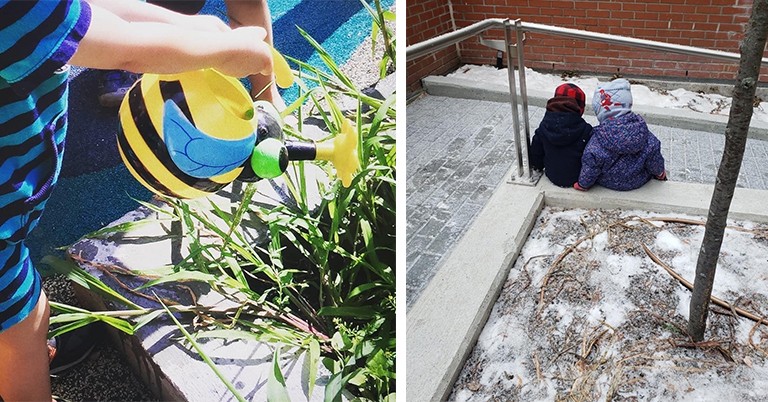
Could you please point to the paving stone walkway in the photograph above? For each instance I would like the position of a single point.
(458, 151)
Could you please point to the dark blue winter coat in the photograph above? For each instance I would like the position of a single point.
(622, 155)
(557, 146)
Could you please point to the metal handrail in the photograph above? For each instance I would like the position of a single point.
(447, 39)
(432, 45)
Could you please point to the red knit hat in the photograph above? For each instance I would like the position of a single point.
(572, 91)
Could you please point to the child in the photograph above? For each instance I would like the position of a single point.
(559, 141)
(622, 154)
(37, 40)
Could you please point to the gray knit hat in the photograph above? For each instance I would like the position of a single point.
(612, 99)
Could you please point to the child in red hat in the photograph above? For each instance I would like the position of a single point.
(558, 143)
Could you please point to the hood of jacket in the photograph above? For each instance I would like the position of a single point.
(625, 134)
(563, 128)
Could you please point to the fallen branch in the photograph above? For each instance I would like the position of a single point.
(701, 223)
(715, 300)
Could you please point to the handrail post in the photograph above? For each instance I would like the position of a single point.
(523, 96)
(508, 26)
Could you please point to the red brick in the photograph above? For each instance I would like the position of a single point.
(563, 5)
(633, 23)
(694, 17)
(479, 8)
(623, 15)
(507, 11)
(564, 21)
(658, 24)
(638, 6)
(643, 33)
(596, 14)
(641, 63)
(658, 8)
(646, 16)
(609, 5)
(726, 18)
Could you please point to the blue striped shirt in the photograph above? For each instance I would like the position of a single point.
(37, 39)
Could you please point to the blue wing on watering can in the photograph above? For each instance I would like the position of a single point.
(199, 154)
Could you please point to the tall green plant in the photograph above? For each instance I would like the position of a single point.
(379, 24)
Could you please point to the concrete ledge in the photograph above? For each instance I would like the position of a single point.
(443, 325)
(457, 87)
(660, 197)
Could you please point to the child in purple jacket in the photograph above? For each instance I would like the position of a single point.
(623, 154)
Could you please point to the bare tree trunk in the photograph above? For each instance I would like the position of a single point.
(752, 48)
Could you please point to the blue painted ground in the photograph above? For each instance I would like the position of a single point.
(95, 188)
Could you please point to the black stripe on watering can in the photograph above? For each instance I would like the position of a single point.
(140, 170)
(172, 90)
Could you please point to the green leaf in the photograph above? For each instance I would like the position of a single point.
(357, 291)
(381, 113)
(389, 16)
(276, 389)
(146, 319)
(312, 360)
(336, 384)
(374, 35)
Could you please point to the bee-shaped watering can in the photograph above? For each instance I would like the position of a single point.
(188, 135)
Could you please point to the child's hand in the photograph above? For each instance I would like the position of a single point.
(662, 176)
(250, 54)
(578, 187)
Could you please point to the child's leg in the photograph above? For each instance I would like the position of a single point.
(256, 13)
(24, 357)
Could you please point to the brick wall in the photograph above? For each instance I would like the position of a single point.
(426, 19)
(711, 24)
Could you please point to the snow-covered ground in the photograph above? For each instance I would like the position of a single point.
(586, 314)
(641, 94)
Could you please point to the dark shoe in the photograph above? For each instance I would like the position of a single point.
(71, 348)
(113, 85)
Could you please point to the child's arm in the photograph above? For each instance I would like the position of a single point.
(114, 43)
(590, 171)
(655, 162)
(139, 11)
(536, 153)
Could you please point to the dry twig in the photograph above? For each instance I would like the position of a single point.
(688, 285)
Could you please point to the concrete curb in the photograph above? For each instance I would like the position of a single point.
(457, 87)
(468, 283)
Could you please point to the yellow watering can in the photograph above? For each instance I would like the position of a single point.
(188, 135)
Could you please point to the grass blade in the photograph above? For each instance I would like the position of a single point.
(202, 354)
(276, 389)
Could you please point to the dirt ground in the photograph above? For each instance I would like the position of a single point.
(586, 314)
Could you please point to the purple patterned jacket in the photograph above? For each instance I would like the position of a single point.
(622, 154)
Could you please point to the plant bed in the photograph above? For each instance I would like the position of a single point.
(589, 313)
